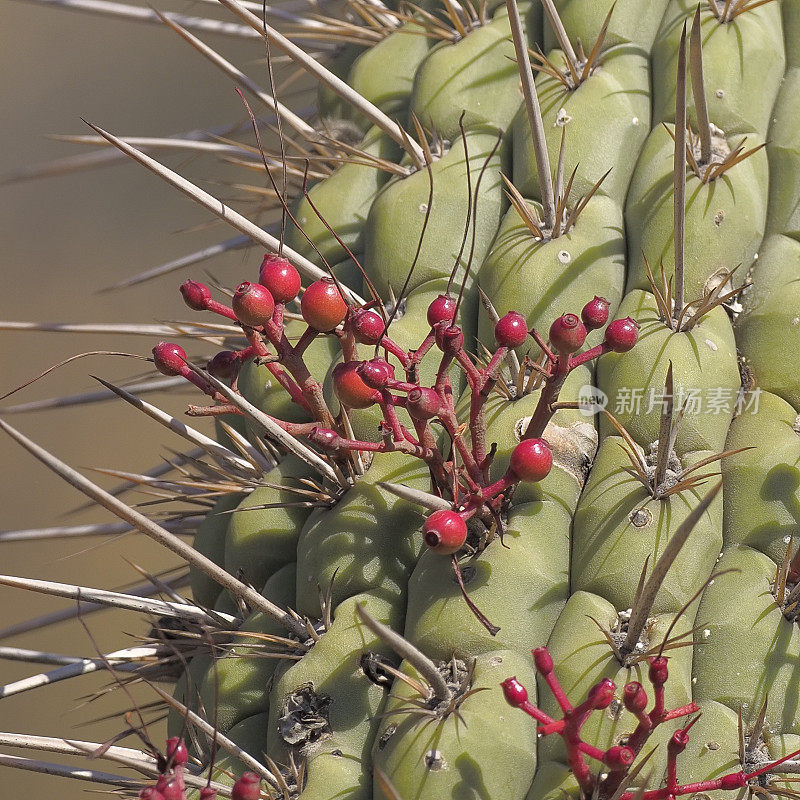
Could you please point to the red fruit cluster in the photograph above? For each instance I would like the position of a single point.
(568, 334)
(415, 418)
(617, 760)
(171, 784)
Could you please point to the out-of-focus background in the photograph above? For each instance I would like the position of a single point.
(63, 239)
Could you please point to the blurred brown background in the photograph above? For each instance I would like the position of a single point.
(63, 238)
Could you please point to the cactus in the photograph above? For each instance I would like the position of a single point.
(509, 331)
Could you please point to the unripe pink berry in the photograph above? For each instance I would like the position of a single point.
(177, 753)
(322, 305)
(621, 334)
(511, 330)
(207, 793)
(515, 693)
(601, 694)
(196, 295)
(350, 389)
(442, 309)
(531, 460)
(444, 531)
(423, 403)
(375, 373)
(169, 358)
(248, 787)
(253, 304)
(567, 334)
(367, 326)
(223, 365)
(280, 277)
(595, 313)
(543, 660)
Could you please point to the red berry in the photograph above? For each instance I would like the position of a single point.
(196, 295)
(177, 753)
(248, 787)
(207, 793)
(442, 309)
(169, 358)
(621, 334)
(376, 373)
(659, 671)
(150, 793)
(595, 313)
(619, 757)
(171, 787)
(531, 460)
(444, 531)
(449, 338)
(567, 334)
(280, 277)
(253, 304)
(223, 365)
(349, 387)
(678, 741)
(322, 305)
(367, 326)
(423, 403)
(511, 331)
(734, 780)
(543, 660)
(634, 696)
(601, 694)
(516, 694)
